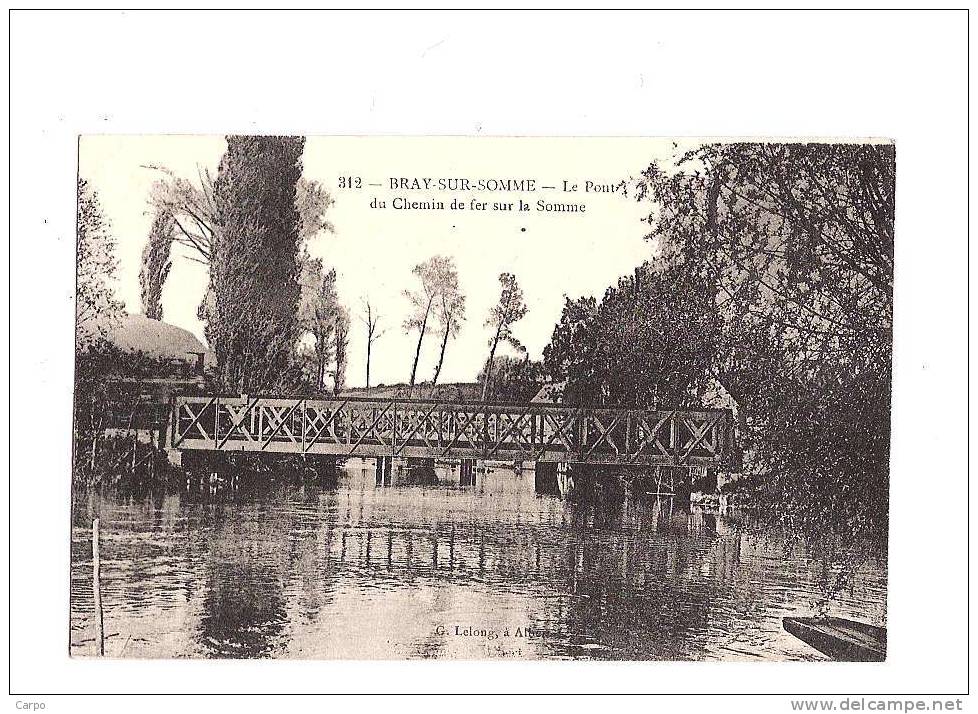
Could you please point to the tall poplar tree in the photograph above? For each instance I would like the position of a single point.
(254, 266)
(156, 265)
(341, 338)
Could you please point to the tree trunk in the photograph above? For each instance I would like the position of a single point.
(94, 454)
(135, 442)
(441, 355)
(95, 430)
(492, 356)
(417, 352)
(369, 345)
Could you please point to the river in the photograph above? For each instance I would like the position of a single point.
(492, 570)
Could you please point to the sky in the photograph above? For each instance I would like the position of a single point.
(552, 254)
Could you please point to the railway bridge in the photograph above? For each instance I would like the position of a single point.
(551, 436)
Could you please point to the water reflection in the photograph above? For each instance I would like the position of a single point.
(394, 568)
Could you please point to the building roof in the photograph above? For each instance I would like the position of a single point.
(138, 333)
(549, 393)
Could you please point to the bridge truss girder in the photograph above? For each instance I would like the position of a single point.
(448, 429)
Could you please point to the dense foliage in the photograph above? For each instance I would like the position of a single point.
(798, 241)
(96, 310)
(108, 410)
(775, 279)
(187, 215)
(514, 379)
(649, 342)
(156, 264)
(254, 326)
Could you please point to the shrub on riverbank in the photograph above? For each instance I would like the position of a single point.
(119, 460)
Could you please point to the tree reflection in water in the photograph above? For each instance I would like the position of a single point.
(244, 611)
(389, 571)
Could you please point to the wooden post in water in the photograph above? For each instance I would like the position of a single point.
(97, 591)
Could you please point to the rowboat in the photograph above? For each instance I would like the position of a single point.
(838, 638)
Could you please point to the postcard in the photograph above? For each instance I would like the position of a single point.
(368, 397)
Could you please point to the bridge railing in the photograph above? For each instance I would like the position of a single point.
(435, 428)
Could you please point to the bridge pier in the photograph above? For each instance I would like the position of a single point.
(553, 478)
(565, 480)
(383, 466)
(545, 478)
(467, 470)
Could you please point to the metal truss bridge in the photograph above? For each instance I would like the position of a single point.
(368, 427)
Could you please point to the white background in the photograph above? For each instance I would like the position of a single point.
(899, 75)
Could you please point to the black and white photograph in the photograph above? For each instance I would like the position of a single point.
(498, 407)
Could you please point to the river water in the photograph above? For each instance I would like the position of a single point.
(494, 569)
